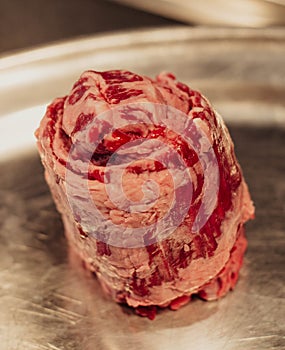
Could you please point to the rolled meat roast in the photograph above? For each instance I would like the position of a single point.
(167, 270)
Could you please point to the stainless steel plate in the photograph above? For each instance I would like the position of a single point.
(47, 300)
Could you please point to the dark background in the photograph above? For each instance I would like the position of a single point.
(29, 23)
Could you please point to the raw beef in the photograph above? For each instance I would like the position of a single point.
(165, 271)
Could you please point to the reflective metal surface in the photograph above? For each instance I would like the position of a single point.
(47, 300)
(241, 13)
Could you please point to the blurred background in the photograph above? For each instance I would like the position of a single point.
(29, 23)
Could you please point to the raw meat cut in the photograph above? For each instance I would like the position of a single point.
(165, 271)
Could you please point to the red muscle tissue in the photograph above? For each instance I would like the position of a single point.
(163, 272)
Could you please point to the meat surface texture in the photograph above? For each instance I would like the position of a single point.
(164, 272)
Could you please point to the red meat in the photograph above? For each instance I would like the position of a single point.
(164, 272)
